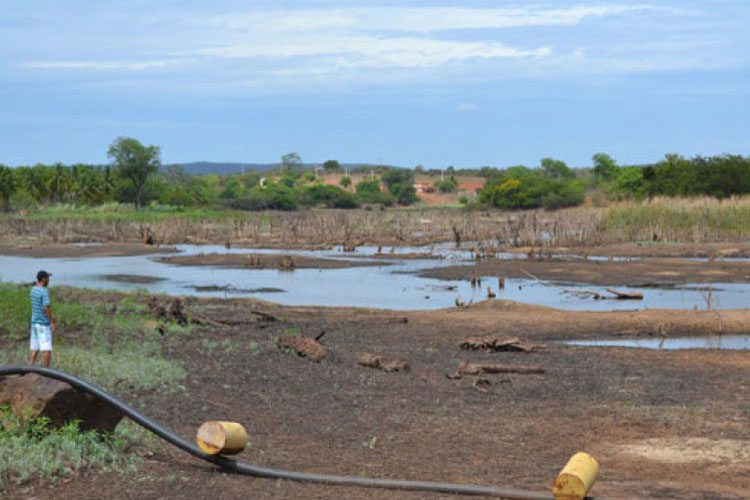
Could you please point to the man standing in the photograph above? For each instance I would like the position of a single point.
(42, 324)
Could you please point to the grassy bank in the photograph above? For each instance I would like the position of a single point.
(114, 347)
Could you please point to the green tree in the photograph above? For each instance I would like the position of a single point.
(291, 161)
(605, 166)
(345, 181)
(331, 166)
(555, 169)
(400, 182)
(7, 186)
(134, 162)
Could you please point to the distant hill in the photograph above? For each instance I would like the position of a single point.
(228, 168)
(221, 168)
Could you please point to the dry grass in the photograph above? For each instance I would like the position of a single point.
(695, 220)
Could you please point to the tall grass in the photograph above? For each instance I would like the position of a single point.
(685, 220)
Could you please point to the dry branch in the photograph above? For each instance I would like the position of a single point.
(467, 368)
(498, 344)
(375, 361)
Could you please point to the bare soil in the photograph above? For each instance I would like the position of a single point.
(49, 251)
(265, 261)
(647, 249)
(635, 410)
(643, 272)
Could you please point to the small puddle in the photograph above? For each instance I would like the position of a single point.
(719, 342)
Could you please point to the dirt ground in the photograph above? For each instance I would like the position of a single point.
(663, 424)
(265, 261)
(70, 250)
(650, 249)
(657, 272)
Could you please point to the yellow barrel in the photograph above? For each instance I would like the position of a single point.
(576, 478)
(221, 438)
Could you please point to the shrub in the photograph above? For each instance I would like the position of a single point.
(447, 185)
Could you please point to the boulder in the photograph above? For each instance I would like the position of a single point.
(32, 395)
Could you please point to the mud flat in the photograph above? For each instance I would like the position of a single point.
(265, 261)
(648, 249)
(73, 250)
(664, 424)
(635, 273)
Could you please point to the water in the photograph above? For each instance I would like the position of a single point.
(723, 342)
(392, 285)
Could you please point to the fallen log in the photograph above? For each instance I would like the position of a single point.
(304, 347)
(467, 368)
(625, 295)
(496, 344)
(388, 366)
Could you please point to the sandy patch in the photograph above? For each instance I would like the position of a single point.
(690, 450)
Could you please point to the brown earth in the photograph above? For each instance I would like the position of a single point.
(639, 273)
(663, 424)
(640, 249)
(264, 261)
(70, 250)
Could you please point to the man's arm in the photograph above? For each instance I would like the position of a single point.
(48, 311)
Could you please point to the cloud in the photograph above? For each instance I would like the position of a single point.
(465, 106)
(411, 19)
(308, 48)
(103, 65)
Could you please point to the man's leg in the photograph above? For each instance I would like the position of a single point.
(34, 344)
(45, 343)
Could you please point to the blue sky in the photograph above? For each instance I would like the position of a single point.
(465, 83)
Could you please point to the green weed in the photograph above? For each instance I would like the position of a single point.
(31, 450)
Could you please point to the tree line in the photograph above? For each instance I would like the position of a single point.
(134, 175)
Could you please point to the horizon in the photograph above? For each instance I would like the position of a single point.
(404, 83)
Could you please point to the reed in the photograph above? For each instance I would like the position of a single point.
(682, 220)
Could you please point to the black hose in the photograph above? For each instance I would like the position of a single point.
(254, 470)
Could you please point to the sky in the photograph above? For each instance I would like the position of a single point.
(436, 83)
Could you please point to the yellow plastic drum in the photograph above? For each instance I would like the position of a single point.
(221, 438)
(577, 478)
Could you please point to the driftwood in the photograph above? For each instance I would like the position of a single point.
(467, 368)
(175, 312)
(513, 344)
(304, 347)
(375, 361)
(625, 295)
(596, 295)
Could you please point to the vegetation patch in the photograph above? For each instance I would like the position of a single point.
(114, 350)
(32, 450)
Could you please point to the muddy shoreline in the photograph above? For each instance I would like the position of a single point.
(623, 406)
(265, 261)
(73, 250)
(636, 273)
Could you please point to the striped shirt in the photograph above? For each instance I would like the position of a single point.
(39, 300)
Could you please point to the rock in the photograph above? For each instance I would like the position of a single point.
(304, 347)
(388, 366)
(57, 401)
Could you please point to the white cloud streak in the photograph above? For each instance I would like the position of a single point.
(103, 65)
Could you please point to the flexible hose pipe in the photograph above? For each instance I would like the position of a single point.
(258, 471)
